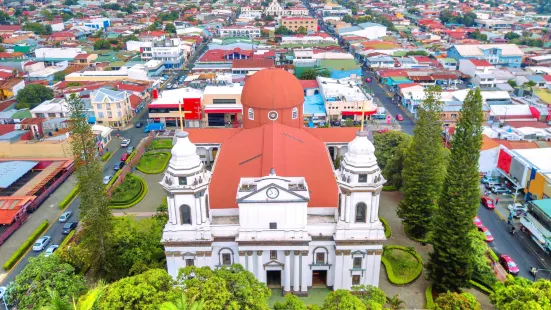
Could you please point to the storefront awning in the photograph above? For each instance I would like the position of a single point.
(224, 111)
(223, 108)
(358, 112)
(533, 230)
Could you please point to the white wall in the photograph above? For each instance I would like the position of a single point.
(488, 160)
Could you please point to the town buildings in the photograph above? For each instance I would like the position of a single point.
(111, 107)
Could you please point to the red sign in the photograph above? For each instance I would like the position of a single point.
(193, 106)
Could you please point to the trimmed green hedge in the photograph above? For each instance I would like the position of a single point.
(390, 273)
(493, 255)
(25, 246)
(428, 296)
(161, 144)
(67, 239)
(388, 232)
(106, 156)
(65, 202)
(481, 287)
(145, 165)
(114, 178)
(132, 202)
(127, 161)
(389, 188)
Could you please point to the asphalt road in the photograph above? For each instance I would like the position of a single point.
(505, 243)
(135, 134)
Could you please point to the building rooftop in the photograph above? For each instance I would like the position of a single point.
(11, 171)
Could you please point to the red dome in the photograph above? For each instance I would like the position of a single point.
(272, 89)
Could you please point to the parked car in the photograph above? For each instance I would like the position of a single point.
(139, 124)
(125, 142)
(487, 202)
(3, 290)
(500, 190)
(65, 216)
(510, 266)
(491, 184)
(106, 179)
(50, 250)
(129, 150)
(41, 243)
(487, 233)
(118, 165)
(382, 130)
(124, 156)
(518, 209)
(477, 222)
(68, 227)
(399, 117)
(486, 180)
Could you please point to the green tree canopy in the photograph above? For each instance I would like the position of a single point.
(522, 294)
(101, 44)
(455, 301)
(33, 95)
(38, 28)
(4, 17)
(386, 145)
(312, 73)
(59, 76)
(342, 299)
(511, 35)
(227, 287)
(301, 30)
(31, 287)
(283, 30)
(372, 296)
(292, 302)
(170, 28)
(348, 19)
(395, 164)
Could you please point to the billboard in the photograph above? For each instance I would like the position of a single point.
(504, 161)
(193, 107)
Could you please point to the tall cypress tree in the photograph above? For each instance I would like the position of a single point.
(95, 213)
(451, 265)
(423, 169)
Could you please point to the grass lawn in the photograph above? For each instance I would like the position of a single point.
(127, 190)
(153, 162)
(404, 264)
(315, 297)
(159, 144)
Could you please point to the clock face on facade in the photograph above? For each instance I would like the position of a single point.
(272, 115)
(272, 192)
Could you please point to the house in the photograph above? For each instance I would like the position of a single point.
(85, 59)
(111, 107)
(10, 87)
(506, 55)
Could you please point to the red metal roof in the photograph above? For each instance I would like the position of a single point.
(481, 63)
(309, 84)
(252, 63)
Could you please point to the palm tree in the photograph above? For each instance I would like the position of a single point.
(86, 302)
(182, 304)
(395, 303)
(57, 302)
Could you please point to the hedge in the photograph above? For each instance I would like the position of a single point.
(493, 255)
(67, 239)
(428, 295)
(389, 188)
(145, 168)
(388, 232)
(134, 201)
(106, 156)
(425, 240)
(480, 287)
(25, 246)
(390, 274)
(65, 202)
(114, 178)
(127, 161)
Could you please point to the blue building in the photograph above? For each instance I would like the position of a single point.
(506, 55)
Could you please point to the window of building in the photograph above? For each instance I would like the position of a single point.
(185, 214)
(251, 114)
(226, 259)
(182, 180)
(454, 115)
(223, 101)
(190, 262)
(361, 210)
(362, 178)
(51, 114)
(320, 258)
(357, 262)
(118, 105)
(295, 113)
(355, 280)
(98, 106)
(273, 254)
(273, 225)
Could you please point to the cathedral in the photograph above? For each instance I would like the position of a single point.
(268, 196)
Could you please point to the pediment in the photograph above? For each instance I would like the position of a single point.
(261, 195)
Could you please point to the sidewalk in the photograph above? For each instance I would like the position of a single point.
(48, 210)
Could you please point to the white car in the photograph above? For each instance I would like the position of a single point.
(125, 143)
(106, 179)
(518, 209)
(65, 216)
(50, 250)
(41, 243)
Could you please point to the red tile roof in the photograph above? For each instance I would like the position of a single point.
(6, 104)
(8, 28)
(309, 84)
(132, 88)
(135, 101)
(82, 56)
(10, 206)
(481, 63)
(63, 34)
(218, 55)
(547, 77)
(5, 128)
(252, 63)
(152, 34)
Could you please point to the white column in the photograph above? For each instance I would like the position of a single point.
(243, 259)
(250, 263)
(343, 206)
(203, 209)
(346, 280)
(347, 208)
(372, 208)
(377, 268)
(376, 205)
(260, 273)
(296, 272)
(198, 211)
(171, 264)
(304, 261)
(287, 266)
(337, 268)
(173, 210)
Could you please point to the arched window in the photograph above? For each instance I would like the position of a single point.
(295, 113)
(185, 214)
(251, 114)
(361, 212)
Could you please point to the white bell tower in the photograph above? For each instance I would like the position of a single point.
(186, 183)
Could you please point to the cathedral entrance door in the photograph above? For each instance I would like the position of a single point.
(273, 278)
(319, 278)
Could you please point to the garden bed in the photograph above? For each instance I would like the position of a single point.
(161, 144)
(129, 192)
(403, 265)
(153, 162)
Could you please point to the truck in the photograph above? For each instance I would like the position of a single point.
(537, 223)
(381, 113)
(154, 127)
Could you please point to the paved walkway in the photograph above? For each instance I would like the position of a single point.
(152, 199)
(413, 294)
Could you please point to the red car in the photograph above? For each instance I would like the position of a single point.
(487, 202)
(487, 233)
(382, 130)
(124, 157)
(510, 266)
(399, 117)
(477, 222)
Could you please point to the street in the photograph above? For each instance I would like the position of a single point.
(135, 134)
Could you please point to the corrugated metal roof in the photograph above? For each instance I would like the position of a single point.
(11, 171)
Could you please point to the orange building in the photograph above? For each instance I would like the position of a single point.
(294, 23)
